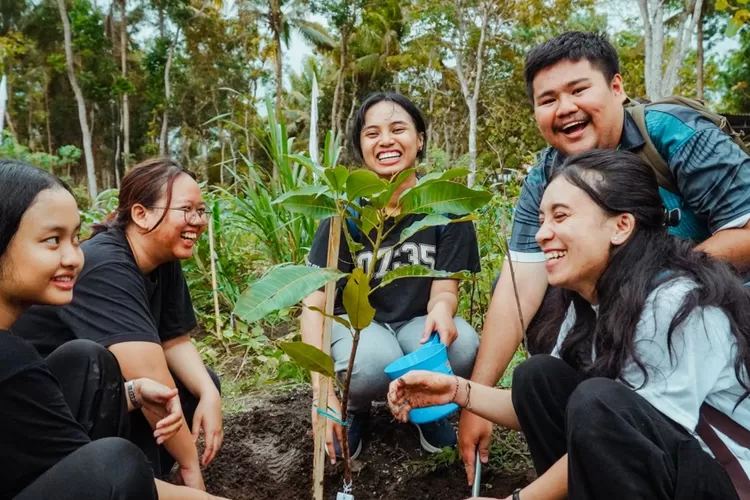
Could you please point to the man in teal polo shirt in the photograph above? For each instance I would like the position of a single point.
(577, 93)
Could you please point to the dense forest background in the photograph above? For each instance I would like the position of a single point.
(189, 79)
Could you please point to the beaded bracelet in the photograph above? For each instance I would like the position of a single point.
(455, 393)
(130, 387)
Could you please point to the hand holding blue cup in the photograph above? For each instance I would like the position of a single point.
(433, 357)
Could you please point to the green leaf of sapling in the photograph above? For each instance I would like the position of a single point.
(309, 357)
(356, 300)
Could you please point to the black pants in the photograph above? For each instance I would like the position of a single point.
(619, 446)
(93, 387)
(142, 434)
(109, 467)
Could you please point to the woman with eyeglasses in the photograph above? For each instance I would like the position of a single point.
(132, 298)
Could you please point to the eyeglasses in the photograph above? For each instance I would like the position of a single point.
(193, 216)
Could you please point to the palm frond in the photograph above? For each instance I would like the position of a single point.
(286, 32)
(314, 33)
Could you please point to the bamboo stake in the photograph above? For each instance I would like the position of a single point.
(214, 286)
(319, 460)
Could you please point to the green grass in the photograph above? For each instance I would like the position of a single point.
(509, 454)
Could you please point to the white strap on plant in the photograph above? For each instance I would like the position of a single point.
(313, 146)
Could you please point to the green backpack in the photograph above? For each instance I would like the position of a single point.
(649, 154)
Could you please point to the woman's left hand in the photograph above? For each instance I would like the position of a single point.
(163, 402)
(418, 389)
(208, 416)
(440, 319)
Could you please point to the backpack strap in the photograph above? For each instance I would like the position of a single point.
(718, 119)
(648, 153)
(711, 418)
(651, 155)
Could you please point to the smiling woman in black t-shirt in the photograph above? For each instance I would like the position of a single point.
(61, 416)
(389, 137)
(132, 298)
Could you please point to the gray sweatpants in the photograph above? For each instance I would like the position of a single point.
(379, 345)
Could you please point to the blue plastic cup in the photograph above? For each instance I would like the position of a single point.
(432, 356)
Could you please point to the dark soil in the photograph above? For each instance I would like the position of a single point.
(268, 454)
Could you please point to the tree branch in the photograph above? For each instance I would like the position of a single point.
(684, 37)
(480, 47)
(458, 55)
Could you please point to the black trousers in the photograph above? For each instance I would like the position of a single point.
(619, 446)
(109, 467)
(143, 436)
(106, 469)
(93, 387)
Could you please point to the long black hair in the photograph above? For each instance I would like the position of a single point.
(20, 184)
(374, 98)
(619, 182)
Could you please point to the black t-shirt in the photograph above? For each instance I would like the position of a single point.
(37, 429)
(452, 248)
(113, 301)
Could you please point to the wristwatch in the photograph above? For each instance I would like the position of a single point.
(517, 494)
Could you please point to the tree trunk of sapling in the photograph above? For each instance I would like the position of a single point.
(344, 406)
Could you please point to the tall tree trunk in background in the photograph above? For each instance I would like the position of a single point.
(161, 21)
(433, 92)
(233, 179)
(92, 119)
(276, 27)
(185, 144)
(30, 127)
(250, 126)
(472, 97)
(660, 83)
(223, 158)
(11, 127)
(88, 152)
(125, 103)
(348, 124)
(46, 113)
(164, 136)
(430, 126)
(118, 149)
(117, 118)
(8, 120)
(335, 112)
(248, 143)
(447, 139)
(204, 159)
(699, 59)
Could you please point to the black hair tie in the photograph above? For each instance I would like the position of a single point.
(672, 217)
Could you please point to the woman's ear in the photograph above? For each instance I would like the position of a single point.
(420, 142)
(624, 227)
(139, 216)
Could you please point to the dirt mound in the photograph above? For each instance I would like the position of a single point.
(268, 448)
